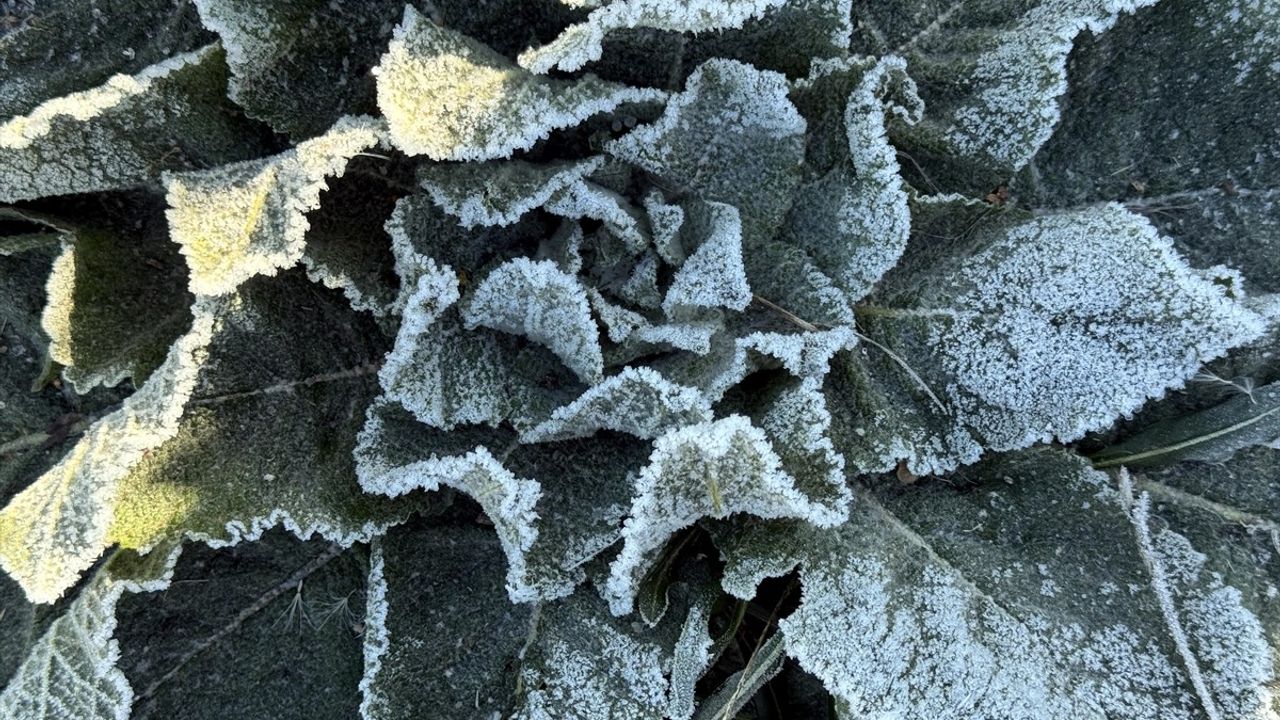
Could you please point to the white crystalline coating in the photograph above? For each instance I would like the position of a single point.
(713, 469)
(247, 219)
(637, 401)
(448, 97)
(805, 355)
(71, 671)
(893, 627)
(20, 132)
(508, 501)
(623, 325)
(474, 200)
(593, 667)
(1075, 319)
(665, 221)
(690, 659)
(583, 43)
(641, 288)
(584, 199)
(798, 425)
(855, 225)
(538, 300)
(56, 528)
(444, 376)
(108, 137)
(377, 639)
(714, 275)
(1014, 107)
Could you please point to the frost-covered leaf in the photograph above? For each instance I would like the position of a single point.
(71, 671)
(637, 401)
(55, 529)
(347, 245)
(738, 689)
(425, 578)
(585, 199)
(1210, 178)
(786, 37)
(582, 43)
(238, 221)
(451, 98)
(299, 65)
(123, 133)
(713, 275)
(552, 512)
(298, 474)
(117, 294)
(538, 300)
(498, 193)
(732, 136)
(1029, 587)
(990, 75)
(69, 45)
(710, 469)
(854, 220)
(1210, 435)
(585, 664)
(263, 629)
(160, 467)
(1050, 327)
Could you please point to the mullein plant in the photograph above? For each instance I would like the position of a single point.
(640, 359)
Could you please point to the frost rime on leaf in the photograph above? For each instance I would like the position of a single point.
(71, 671)
(451, 98)
(982, 599)
(112, 136)
(854, 220)
(552, 512)
(541, 302)
(1053, 327)
(713, 275)
(581, 44)
(710, 469)
(242, 220)
(498, 193)
(732, 136)
(637, 401)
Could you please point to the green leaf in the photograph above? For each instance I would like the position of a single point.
(237, 221)
(636, 401)
(563, 659)
(159, 468)
(1049, 327)
(711, 469)
(553, 514)
(71, 670)
(117, 296)
(713, 274)
(853, 220)
(425, 578)
(1212, 435)
(739, 688)
(263, 629)
(1208, 179)
(124, 133)
(449, 97)
(989, 76)
(582, 43)
(302, 64)
(1028, 587)
(732, 136)
(65, 46)
(546, 305)
(787, 37)
(499, 193)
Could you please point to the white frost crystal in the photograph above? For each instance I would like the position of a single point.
(581, 44)
(545, 304)
(249, 219)
(448, 97)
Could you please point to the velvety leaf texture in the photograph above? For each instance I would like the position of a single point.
(639, 359)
